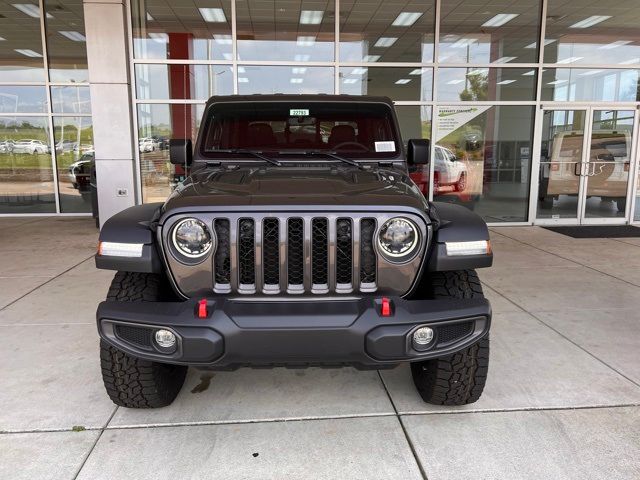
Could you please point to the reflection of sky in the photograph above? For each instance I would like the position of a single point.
(583, 50)
(590, 85)
(256, 79)
(22, 99)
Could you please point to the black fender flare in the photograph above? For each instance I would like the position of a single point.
(133, 225)
(455, 223)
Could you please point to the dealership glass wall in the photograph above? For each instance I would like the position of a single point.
(470, 76)
(46, 140)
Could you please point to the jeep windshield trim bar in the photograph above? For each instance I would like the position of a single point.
(330, 154)
(254, 153)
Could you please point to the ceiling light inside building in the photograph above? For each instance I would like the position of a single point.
(505, 59)
(74, 36)
(213, 15)
(384, 42)
(30, 9)
(546, 42)
(2, 39)
(403, 81)
(500, 19)
(417, 71)
(243, 80)
(569, 60)
(630, 61)
(296, 80)
(302, 58)
(557, 82)
(359, 71)
(27, 52)
(223, 39)
(530, 73)
(505, 82)
(612, 45)
(590, 21)
(298, 70)
(150, 18)
(371, 58)
(463, 42)
(228, 56)
(588, 73)
(455, 82)
(159, 37)
(350, 80)
(406, 19)
(311, 17)
(305, 41)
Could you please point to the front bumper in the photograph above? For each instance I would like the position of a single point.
(308, 331)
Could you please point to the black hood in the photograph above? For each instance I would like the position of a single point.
(297, 186)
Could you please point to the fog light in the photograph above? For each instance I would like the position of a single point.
(423, 336)
(165, 339)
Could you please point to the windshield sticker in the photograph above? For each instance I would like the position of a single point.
(385, 146)
(299, 112)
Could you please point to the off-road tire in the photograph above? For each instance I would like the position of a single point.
(458, 378)
(130, 381)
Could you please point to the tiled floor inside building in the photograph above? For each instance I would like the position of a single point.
(562, 399)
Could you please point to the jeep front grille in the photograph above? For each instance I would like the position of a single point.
(294, 255)
(264, 253)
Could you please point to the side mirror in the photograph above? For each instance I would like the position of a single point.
(180, 151)
(418, 151)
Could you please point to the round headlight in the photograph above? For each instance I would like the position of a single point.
(398, 238)
(192, 238)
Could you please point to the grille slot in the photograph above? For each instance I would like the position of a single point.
(246, 253)
(138, 336)
(344, 253)
(222, 260)
(456, 331)
(271, 254)
(295, 255)
(367, 254)
(320, 255)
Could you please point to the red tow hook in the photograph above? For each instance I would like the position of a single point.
(202, 308)
(385, 309)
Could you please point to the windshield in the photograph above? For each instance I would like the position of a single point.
(354, 130)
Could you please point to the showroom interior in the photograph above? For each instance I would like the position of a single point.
(536, 101)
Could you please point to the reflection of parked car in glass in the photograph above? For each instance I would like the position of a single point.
(64, 146)
(32, 147)
(607, 168)
(147, 144)
(80, 171)
(6, 146)
(448, 171)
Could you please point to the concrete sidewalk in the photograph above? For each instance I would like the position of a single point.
(562, 400)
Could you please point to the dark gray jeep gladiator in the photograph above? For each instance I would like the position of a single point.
(298, 239)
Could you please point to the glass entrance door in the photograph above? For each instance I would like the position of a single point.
(585, 164)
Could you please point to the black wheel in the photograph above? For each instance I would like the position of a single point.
(459, 378)
(130, 381)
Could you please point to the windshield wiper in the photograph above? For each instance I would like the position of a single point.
(253, 153)
(326, 153)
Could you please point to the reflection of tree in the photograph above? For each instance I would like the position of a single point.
(476, 88)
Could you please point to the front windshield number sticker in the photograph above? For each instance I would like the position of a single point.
(299, 112)
(385, 146)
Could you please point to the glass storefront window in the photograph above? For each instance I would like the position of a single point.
(488, 32)
(26, 176)
(71, 99)
(73, 138)
(286, 31)
(599, 85)
(415, 122)
(196, 82)
(483, 84)
(183, 30)
(23, 99)
(596, 33)
(294, 79)
(379, 31)
(157, 124)
(66, 42)
(483, 159)
(21, 57)
(400, 84)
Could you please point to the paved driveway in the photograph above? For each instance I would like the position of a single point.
(562, 400)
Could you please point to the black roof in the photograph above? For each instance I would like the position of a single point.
(288, 97)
